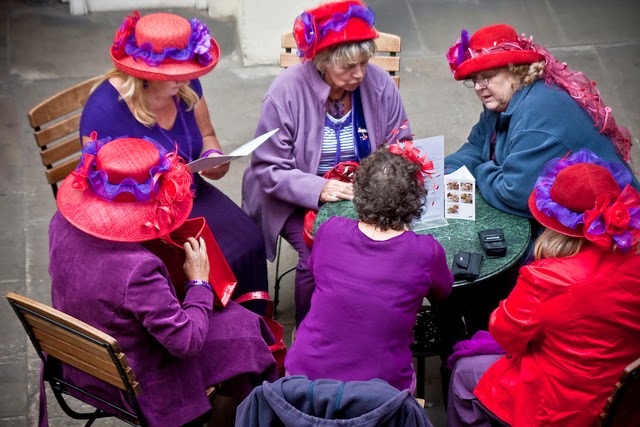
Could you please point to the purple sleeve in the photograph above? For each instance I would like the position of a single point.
(441, 276)
(181, 330)
(274, 163)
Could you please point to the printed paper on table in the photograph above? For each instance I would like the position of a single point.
(460, 195)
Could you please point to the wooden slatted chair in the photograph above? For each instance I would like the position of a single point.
(55, 122)
(388, 47)
(60, 338)
(623, 406)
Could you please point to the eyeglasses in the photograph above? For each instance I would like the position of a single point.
(482, 83)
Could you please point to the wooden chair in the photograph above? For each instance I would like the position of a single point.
(388, 46)
(623, 406)
(55, 122)
(58, 337)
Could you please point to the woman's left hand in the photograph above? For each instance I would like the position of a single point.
(335, 190)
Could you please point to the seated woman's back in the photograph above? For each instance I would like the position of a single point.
(370, 283)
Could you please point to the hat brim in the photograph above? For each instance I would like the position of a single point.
(167, 71)
(492, 60)
(357, 31)
(550, 222)
(116, 221)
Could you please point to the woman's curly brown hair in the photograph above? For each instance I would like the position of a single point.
(387, 192)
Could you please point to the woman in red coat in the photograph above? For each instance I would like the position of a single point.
(572, 323)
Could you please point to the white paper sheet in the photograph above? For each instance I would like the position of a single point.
(242, 151)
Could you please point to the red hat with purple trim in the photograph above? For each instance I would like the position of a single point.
(584, 196)
(126, 190)
(331, 24)
(164, 46)
(490, 47)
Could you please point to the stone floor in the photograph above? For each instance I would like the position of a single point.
(43, 50)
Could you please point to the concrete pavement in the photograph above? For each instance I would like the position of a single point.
(43, 50)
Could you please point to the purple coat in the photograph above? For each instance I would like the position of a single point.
(282, 175)
(175, 352)
(365, 303)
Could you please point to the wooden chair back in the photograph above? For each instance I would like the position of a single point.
(55, 122)
(58, 337)
(388, 47)
(623, 406)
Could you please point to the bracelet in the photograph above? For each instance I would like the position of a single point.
(192, 283)
(211, 150)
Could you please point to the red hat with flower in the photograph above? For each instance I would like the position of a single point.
(164, 46)
(498, 45)
(490, 47)
(584, 196)
(331, 24)
(126, 190)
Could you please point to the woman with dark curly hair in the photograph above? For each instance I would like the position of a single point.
(371, 275)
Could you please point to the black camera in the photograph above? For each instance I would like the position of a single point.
(493, 242)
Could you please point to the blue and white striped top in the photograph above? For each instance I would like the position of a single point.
(337, 135)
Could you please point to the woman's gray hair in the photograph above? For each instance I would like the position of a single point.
(345, 54)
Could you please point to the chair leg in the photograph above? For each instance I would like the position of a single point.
(279, 277)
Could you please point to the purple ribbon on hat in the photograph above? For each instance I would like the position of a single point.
(198, 47)
(337, 22)
(86, 174)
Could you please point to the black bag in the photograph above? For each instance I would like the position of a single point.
(466, 265)
(493, 242)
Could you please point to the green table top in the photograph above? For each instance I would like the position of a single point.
(462, 235)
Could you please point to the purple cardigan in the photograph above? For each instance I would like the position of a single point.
(175, 352)
(282, 175)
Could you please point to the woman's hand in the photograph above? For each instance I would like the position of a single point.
(196, 265)
(217, 172)
(335, 190)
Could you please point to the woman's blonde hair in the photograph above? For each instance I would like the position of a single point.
(526, 74)
(551, 244)
(133, 91)
(344, 54)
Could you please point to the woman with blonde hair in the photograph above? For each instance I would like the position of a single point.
(154, 91)
(572, 322)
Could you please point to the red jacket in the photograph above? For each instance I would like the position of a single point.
(569, 327)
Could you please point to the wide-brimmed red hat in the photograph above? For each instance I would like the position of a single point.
(164, 46)
(331, 24)
(490, 47)
(584, 196)
(126, 190)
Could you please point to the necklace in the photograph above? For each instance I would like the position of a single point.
(173, 143)
(335, 107)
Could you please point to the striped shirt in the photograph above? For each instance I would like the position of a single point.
(337, 133)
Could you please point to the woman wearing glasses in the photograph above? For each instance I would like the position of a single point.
(535, 109)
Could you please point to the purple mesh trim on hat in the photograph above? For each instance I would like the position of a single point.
(337, 22)
(548, 174)
(98, 180)
(198, 47)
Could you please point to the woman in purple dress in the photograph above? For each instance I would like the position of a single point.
(158, 95)
(125, 192)
(371, 278)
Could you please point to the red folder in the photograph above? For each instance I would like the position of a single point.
(170, 250)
